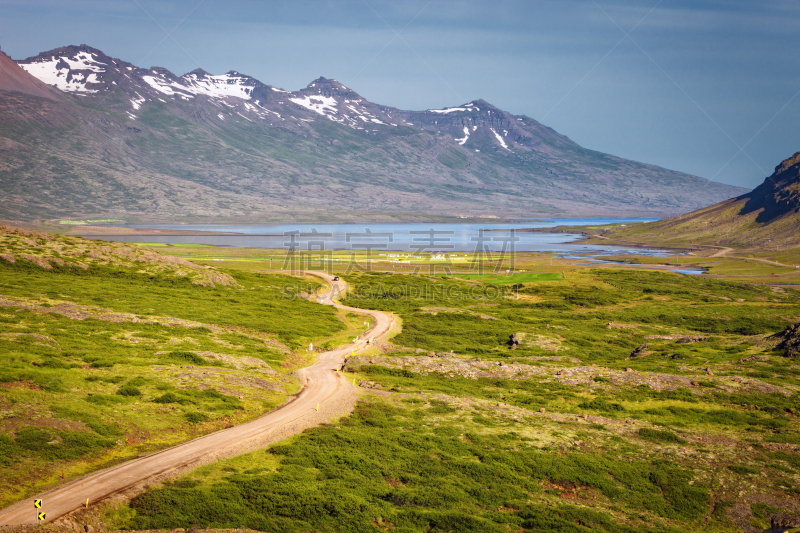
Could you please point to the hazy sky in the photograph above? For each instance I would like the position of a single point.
(705, 87)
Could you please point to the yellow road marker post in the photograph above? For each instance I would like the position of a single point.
(37, 504)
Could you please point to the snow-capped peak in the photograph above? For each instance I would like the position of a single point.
(70, 74)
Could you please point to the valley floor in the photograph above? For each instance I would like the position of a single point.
(556, 397)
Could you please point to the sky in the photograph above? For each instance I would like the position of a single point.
(707, 87)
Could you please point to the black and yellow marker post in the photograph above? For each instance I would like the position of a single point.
(37, 504)
(40, 515)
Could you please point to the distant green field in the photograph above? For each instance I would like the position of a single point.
(90, 221)
(522, 277)
(171, 245)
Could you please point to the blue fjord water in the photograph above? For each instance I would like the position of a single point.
(405, 237)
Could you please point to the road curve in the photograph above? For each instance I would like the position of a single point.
(321, 383)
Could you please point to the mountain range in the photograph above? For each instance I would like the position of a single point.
(84, 134)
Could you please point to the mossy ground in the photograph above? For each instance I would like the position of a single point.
(101, 364)
(579, 428)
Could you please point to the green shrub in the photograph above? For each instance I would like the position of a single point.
(743, 470)
(189, 357)
(685, 500)
(171, 397)
(660, 436)
(128, 390)
(138, 381)
(601, 404)
(58, 445)
(55, 363)
(104, 399)
(195, 417)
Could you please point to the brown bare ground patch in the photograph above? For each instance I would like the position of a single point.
(10, 425)
(22, 384)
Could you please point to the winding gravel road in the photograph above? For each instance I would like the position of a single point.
(322, 385)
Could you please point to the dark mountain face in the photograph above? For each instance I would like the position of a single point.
(126, 141)
(766, 217)
(779, 195)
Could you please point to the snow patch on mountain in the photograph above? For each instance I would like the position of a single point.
(137, 102)
(449, 110)
(59, 71)
(318, 104)
(190, 85)
(219, 86)
(500, 140)
(167, 87)
(466, 136)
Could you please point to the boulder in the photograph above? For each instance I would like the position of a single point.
(690, 340)
(785, 520)
(790, 340)
(753, 358)
(641, 351)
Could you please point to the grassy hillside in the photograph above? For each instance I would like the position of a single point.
(108, 351)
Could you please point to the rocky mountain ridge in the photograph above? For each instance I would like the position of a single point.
(145, 143)
(766, 217)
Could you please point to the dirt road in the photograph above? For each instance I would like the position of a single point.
(323, 386)
(722, 252)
